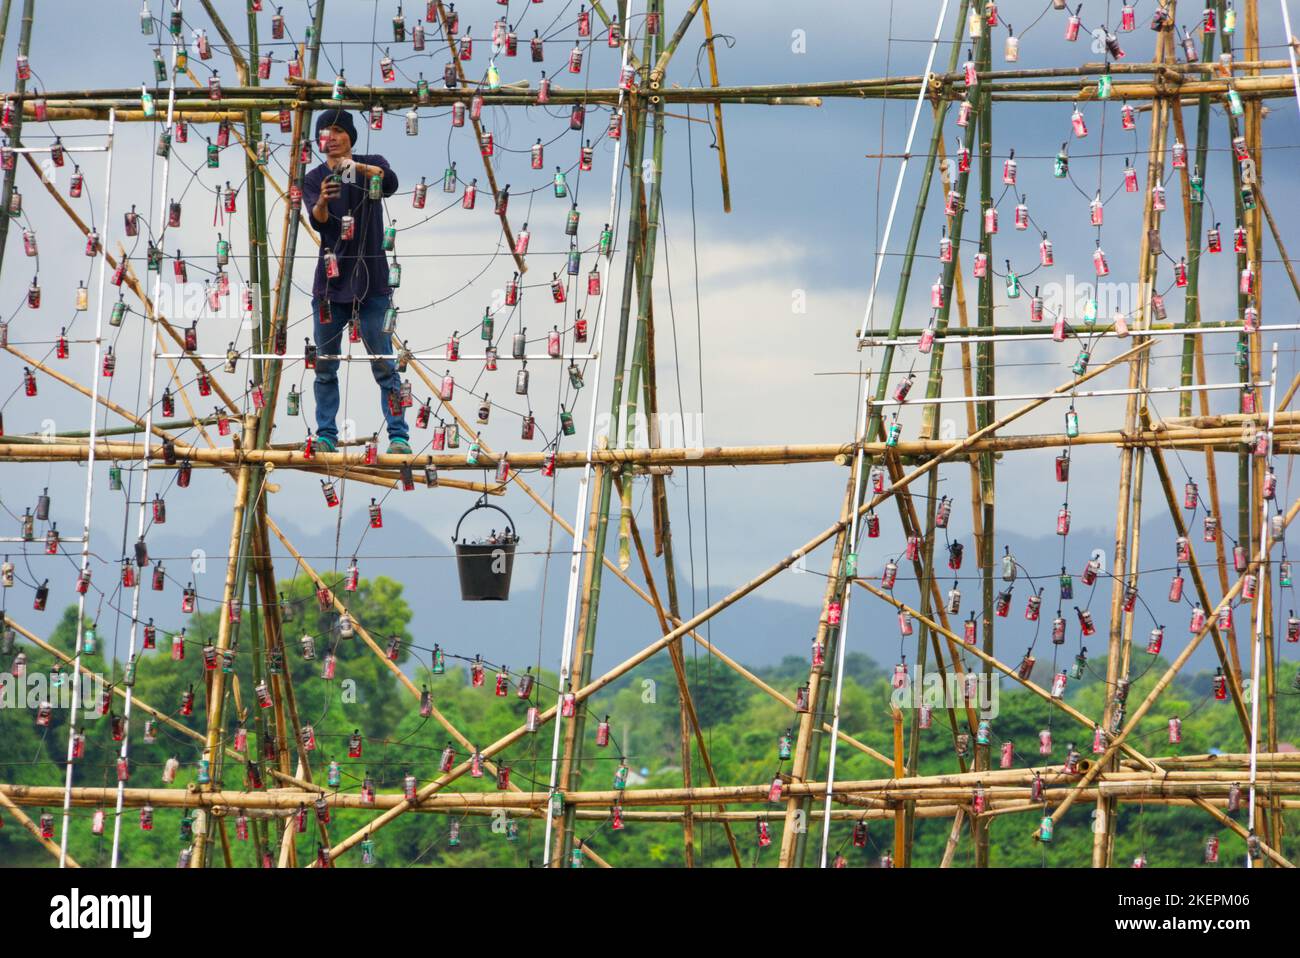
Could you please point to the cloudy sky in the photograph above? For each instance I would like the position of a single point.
(756, 311)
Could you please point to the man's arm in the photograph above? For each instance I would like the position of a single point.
(379, 164)
(317, 203)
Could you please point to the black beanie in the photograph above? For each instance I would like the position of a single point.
(340, 118)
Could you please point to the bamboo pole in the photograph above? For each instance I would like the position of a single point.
(691, 718)
(902, 841)
(1192, 217)
(34, 448)
(717, 109)
(216, 678)
(803, 763)
(954, 836)
(1049, 85)
(984, 412)
(924, 569)
(4, 22)
(1128, 516)
(875, 794)
(584, 636)
(16, 133)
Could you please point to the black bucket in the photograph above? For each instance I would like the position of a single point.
(485, 567)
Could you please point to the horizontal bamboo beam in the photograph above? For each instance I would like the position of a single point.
(35, 449)
(1010, 784)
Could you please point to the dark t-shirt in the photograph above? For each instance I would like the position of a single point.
(363, 268)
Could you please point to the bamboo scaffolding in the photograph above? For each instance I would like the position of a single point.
(1120, 775)
(595, 685)
(1163, 682)
(383, 658)
(519, 483)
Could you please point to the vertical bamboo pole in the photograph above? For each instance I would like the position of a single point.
(954, 836)
(648, 249)
(289, 247)
(16, 134)
(1245, 374)
(1131, 463)
(1270, 827)
(568, 764)
(934, 151)
(91, 444)
(934, 384)
(260, 432)
(794, 833)
(984, 414)
(584, 636)
(664, 546)
(258, 262)
(155, 340)
(874, 426)
(900, 771)
(717, 108)
(4, 23)
(690, 719)
(217, 683)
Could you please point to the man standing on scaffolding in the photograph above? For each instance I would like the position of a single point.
(351, 272)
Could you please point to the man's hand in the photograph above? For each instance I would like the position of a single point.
(329, 189)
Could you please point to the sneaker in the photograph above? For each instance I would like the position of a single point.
(324, 444)
(399, 447)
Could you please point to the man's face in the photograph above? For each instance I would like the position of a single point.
(336, 141)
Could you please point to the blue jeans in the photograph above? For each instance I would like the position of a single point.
(329, 339)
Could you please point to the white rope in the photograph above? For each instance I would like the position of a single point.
(90, 486)
(858, 461)
(902, 171)
(152, 333)
(580, 513)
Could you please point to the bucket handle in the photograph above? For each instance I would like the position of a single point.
(481, 504)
